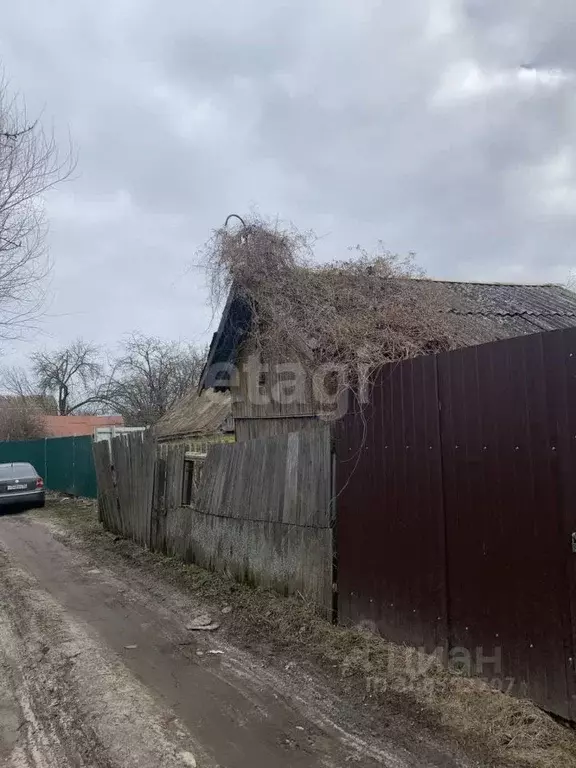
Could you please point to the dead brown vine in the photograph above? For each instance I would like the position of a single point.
(358, 314)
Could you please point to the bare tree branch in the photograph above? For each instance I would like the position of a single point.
(30, 165)
(150, 375)
(74, 375)
(141, 383)
(20, 419)
(17, 382)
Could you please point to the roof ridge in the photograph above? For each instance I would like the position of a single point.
(518, 313)
(481, 282)
(453, 281)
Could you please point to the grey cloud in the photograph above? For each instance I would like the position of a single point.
(356, 119)
(540, 34)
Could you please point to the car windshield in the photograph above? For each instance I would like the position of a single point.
(14, 470)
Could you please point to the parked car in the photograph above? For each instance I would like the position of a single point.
(21, 485)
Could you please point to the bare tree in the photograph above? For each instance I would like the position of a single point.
(30, 165)
(73, 374)
(140, 383)
(149, 375)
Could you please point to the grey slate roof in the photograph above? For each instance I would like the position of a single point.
(475, 313)
(482, 312)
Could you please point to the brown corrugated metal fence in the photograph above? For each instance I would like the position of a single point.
(456, 506)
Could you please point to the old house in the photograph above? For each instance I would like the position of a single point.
(299, 386)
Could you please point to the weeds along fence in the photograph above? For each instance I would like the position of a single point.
(258, 511)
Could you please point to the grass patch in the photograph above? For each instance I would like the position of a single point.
(391, 682)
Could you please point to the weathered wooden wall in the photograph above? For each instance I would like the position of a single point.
(108, 510)
(250, 401)
(288, 398)
(262, 515)
(125, 473)
(168, 488)
(251, 429)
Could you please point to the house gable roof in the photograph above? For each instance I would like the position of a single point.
(474, 313)
(232, 331)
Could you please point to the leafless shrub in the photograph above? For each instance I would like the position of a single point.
(20, 419)
(358, 313)
(30, 165)
(17, 382)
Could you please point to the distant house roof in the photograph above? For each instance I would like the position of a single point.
(196, 415)
(67, 426)
(473, 313)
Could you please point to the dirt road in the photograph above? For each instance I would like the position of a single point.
(98, 670)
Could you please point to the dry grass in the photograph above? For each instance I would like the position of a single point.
(488, 726)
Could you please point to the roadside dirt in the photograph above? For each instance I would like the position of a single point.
(98, 669)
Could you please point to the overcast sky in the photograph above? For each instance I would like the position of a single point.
(446, 127)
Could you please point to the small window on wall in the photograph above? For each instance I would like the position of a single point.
(262, 378)
(191, 480)
(187, 483)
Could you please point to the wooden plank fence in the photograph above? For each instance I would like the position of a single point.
(264, 513)
(259, 511)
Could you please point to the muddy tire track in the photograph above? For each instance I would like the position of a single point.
(65, 701)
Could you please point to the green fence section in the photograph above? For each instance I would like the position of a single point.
(65, 463)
